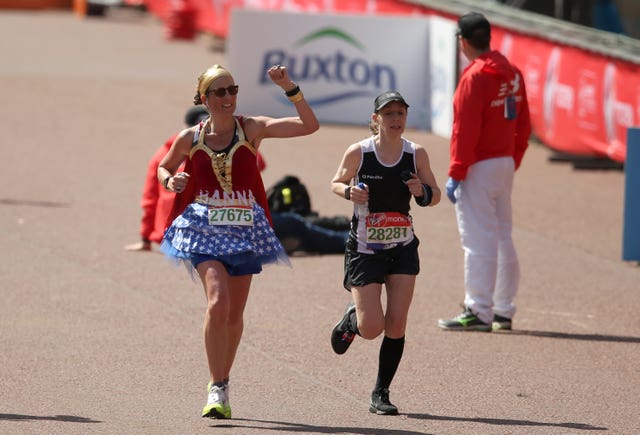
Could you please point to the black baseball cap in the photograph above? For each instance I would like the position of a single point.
(195, 114)
(473, 23)
(386, 98)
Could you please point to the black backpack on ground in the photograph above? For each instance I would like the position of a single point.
(289, 195)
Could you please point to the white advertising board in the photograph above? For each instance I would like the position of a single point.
(341, 63)
(442, 67)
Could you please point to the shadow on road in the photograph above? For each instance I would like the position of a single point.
(66, 418)
(505, 422)
(283, 426)
(32, 203)
(571, 336)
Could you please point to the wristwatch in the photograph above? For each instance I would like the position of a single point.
(347, 193)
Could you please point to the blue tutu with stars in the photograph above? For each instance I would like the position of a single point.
(243, 250)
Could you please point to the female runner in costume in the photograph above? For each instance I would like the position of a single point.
(224, 233)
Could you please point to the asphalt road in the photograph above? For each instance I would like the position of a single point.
(97, 340)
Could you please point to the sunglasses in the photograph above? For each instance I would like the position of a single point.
(221, 92)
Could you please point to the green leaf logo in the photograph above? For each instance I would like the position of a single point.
(330, 32)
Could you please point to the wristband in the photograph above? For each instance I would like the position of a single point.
(296, 97)
(427, 196)
(292, 92)
(347, 193)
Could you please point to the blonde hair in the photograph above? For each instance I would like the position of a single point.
(206, 78)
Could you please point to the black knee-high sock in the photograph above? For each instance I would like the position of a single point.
(389, 358)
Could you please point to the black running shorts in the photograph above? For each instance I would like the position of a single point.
(362, 269)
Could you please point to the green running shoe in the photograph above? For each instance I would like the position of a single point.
(466, 321)
(217, 402)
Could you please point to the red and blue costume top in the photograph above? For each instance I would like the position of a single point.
(226, 180)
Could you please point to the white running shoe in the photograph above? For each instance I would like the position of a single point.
(217, 402)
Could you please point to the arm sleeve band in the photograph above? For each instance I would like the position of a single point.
(426, 197)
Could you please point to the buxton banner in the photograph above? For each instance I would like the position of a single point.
(341, 62)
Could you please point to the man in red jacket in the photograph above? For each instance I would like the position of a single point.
(491, 128)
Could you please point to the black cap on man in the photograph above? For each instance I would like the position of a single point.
(475, 28)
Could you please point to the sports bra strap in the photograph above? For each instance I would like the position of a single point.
(196, 134)
(198, 139)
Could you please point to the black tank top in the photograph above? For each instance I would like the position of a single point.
(387, 191)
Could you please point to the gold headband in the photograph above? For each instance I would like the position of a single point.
(207, 77)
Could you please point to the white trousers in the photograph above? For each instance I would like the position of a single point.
(483, 211)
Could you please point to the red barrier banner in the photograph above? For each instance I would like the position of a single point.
(580, 102)
(621, 94)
